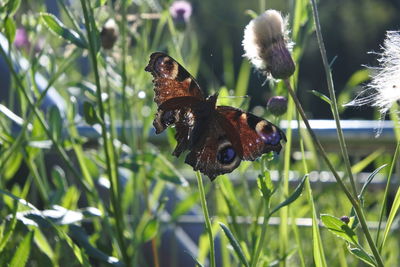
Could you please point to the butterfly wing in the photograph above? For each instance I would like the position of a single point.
(218, 138)
(171, 80)
(214, 153)
(176, 91)
(256, 135)
(232, 135)
(179, 99)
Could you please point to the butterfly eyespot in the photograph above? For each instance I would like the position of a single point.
(166, 67)
(226, 155)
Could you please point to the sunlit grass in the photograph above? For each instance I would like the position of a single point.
(85, 181)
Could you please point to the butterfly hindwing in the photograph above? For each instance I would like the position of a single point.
(214, 153)
(256, 135)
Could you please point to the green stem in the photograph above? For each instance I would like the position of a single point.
(333, 103)
(206, 218)
(123, 68)
(342, 142)
(261, 240)
(354, 201)
(109, 152)
(383, 207)
(43, 123)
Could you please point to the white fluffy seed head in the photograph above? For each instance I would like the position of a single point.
(384, 88)
(265, 44)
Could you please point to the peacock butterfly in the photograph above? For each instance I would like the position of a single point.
(217, 137)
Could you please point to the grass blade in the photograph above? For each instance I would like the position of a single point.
(396, 202)
(235, 244)
(21, 256)
(369, 180)
(295, 195)
(58, 28)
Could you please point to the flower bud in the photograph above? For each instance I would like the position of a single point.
(277, 105)
(345, 219)
(109, 34)
(265, 44)
(21, 40)
(180, 12)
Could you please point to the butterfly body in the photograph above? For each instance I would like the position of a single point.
(217, 137)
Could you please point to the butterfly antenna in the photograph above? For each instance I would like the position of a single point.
(234, 96)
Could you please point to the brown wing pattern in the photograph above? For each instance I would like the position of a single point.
(214, 153)
(257, 136)
(171, 80)
(217, 138)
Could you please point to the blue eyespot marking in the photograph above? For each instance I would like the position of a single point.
(226, 155)
(271, 138)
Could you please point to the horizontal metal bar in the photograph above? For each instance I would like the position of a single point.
(273, 221)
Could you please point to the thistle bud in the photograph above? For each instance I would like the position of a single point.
(21, 39)
(109, 34)
(265, 44)
(181, 12)
(345, 219)
(277, 105)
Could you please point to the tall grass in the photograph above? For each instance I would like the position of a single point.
(85, 182)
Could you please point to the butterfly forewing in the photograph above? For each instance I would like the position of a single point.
(171, 80)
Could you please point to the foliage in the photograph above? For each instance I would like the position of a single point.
(84, 180)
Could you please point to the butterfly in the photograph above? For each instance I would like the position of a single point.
(218, 138)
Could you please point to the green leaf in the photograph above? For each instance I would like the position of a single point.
(90, 113)
(362, 255)
(150, 230)
(10, 29)
(80, 236)
(353, 219)
(322, 96)
(235, 244)
(339, 228)
(6, 236)
(265, 185)
(42, 244)
(22, 253)
(359, 166)
(185, 205)
(12, 7)
(396, 202)
(194, 258)
(12, 165)
(55, 123)
(295, 195)
(391, 217)
(369, 180)
(58, 28)
(58, 178)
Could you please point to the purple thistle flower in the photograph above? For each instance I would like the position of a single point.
(21, 39)
(181, 11)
